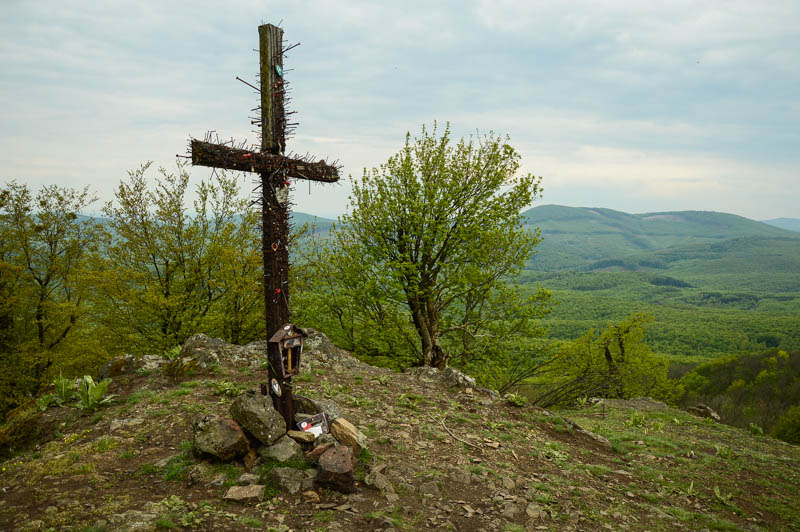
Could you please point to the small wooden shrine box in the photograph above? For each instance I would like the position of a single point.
(285, 350)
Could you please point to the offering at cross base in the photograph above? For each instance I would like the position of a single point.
(316, 425)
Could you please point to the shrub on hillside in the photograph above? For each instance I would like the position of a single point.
(788, 426)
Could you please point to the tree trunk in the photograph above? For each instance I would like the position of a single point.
(427, 324)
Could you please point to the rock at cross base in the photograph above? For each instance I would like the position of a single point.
(336, 468)
(255, 413)
(346, 433)
(282, 450)
(251, 492)
(318, 406)
(313, 455)
(302, 436)
(218, 437)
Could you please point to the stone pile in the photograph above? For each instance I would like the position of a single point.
(256, 431)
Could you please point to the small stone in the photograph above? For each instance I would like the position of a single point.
(377, 480)
(325, 438)
(252, 492)
(311, 496)
(250, 460)
(246, 479)
(510, 510)
(429, 488)
(534, 511)
(508, 483)
(302, 436)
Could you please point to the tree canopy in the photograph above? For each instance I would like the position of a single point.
(432, 239)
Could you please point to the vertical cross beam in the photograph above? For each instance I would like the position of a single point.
(275, 204)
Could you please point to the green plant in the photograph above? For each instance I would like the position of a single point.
(92, 395)
(173, 352)
(515, 399)
(723, 498)
(383, 380)
(724, 451)
(252, 522)
(787, 428)
(582, 400)
(227, 388)
(44, 402)
(164, 524)
(65, 389)
(755, 430)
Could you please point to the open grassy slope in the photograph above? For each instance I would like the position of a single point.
(456, 459)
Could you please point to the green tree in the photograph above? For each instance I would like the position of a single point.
(167, 274)
(45, 246)
(616, 363)
(431, 237)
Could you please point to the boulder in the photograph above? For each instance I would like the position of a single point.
(251, 492)
(348, 435)
(255, 413)
(219, 437)
(453, 377)
(336, 469)
(283, 450)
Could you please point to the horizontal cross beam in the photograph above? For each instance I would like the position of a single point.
(218, 156)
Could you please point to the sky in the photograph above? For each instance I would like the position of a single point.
(633, 106)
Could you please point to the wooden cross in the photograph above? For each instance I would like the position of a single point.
(275, 170)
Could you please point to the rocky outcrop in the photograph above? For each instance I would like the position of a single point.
(255, 413)
(704, 411)
(218, 437)
(448, 377)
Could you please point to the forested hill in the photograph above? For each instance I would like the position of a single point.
(580, 238)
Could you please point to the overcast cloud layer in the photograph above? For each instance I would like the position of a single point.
(624, 105)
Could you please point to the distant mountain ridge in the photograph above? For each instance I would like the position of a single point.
(792, 224)
(583, 238)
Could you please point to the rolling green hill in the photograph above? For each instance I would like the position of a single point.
(582, 238)
(715, 283)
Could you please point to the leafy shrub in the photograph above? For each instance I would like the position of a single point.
(20, 428)
(92, 395)
(788, 426)
(515, 399)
